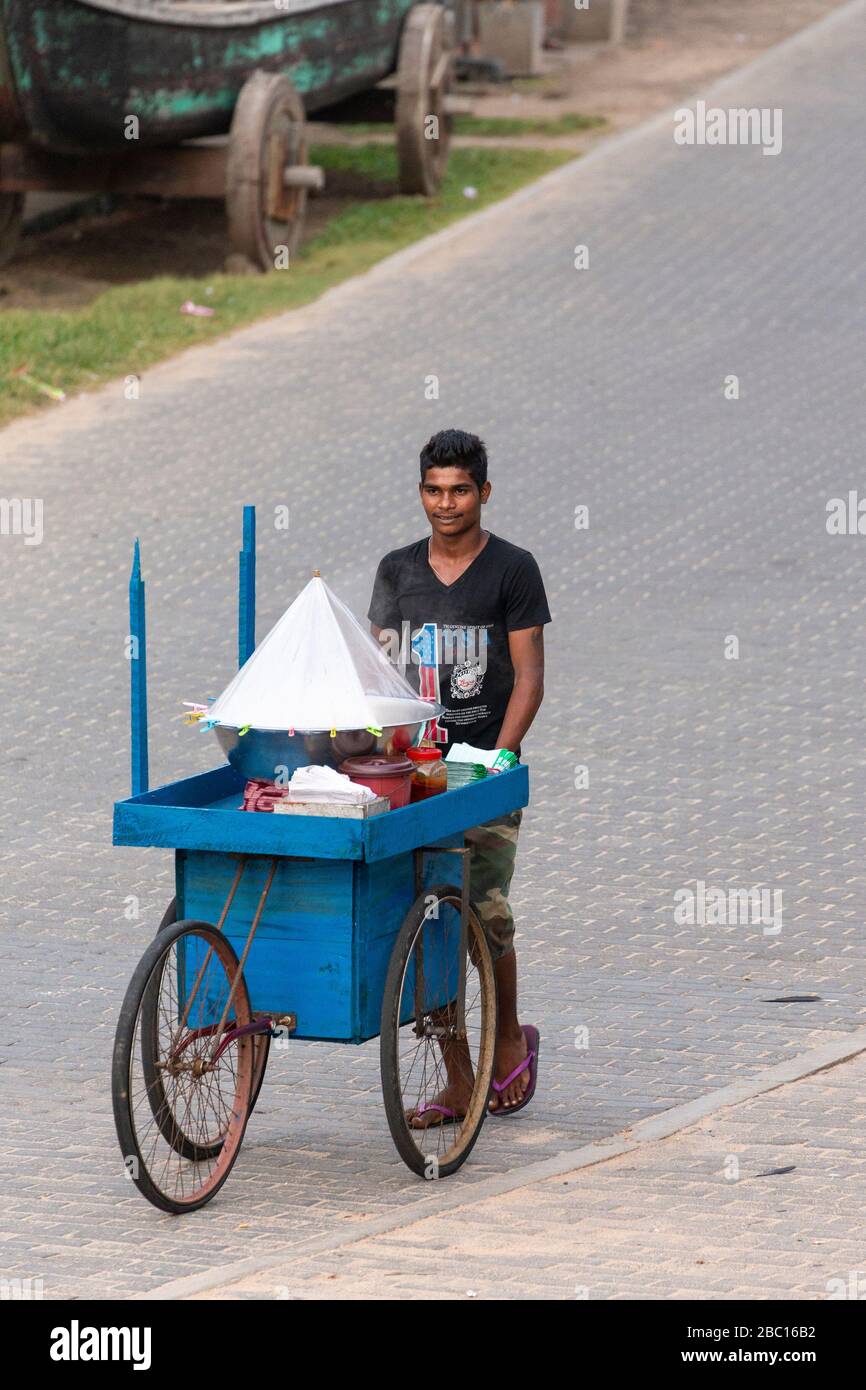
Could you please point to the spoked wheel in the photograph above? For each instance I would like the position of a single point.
(424, 73)
(423, 1049)
(262, 1044)
(168, 1030)
(266, 176)
(11, 217)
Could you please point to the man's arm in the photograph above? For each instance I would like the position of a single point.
(526, 647)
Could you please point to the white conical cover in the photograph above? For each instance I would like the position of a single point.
(319, 669)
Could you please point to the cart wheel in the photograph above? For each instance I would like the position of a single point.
(169, 917)
(424, 71)
(11, 214)
(170, 1014)
(262, 1040)
(415, 1034)
(268, 136)
(262, 1043)
(164, 1112)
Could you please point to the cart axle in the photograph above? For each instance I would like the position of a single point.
(309, 176)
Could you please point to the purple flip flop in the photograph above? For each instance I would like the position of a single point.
(533, 1044)
(449, 1116)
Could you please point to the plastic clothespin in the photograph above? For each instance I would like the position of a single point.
(333, 733)
(244, 730)
(291, 733)
(371, 729)
(208, 724)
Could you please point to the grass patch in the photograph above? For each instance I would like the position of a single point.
(130, 327)
(566, 124)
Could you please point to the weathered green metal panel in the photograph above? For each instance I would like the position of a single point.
(80, 69)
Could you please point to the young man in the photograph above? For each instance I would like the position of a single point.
(476, 609)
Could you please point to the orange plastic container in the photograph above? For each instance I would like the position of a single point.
(430, 775)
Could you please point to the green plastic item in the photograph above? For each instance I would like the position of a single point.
(461, 773)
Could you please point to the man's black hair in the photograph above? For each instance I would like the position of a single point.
(456, 449)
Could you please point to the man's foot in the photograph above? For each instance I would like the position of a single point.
(451, 1097)
(510, 1052)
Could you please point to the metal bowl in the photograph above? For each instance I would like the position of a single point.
(269, 754)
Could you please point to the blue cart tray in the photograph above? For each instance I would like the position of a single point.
(203, 812)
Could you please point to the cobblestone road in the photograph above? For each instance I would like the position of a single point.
(602, 388)
(763, 1200)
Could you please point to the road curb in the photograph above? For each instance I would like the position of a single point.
(648, 1131)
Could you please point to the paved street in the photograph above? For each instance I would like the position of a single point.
(756, 1202)
(601, 388)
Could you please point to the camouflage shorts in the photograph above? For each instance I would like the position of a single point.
(491, 866)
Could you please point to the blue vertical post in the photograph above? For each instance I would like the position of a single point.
(247, 589)
(138, 676)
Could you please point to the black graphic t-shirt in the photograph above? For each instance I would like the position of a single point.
(453, 638)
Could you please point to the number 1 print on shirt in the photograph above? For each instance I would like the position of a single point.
(425, 645)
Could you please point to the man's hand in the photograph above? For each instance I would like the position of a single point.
(526, 647)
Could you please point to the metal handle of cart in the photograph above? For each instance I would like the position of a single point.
(460, 1021)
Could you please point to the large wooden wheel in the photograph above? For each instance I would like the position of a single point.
(11, 213)
(267, 177)
(424, 72)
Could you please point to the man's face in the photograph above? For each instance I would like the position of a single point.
(451, 500)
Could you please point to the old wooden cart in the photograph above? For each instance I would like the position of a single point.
(305, 927)
(130, 96)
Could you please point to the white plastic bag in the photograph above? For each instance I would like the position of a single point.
(325, 784)
(319, 669)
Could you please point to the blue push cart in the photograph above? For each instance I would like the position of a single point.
(311, 927)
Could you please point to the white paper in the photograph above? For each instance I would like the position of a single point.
(465, 753)
(325, 784)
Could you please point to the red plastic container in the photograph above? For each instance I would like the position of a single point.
(386, 776)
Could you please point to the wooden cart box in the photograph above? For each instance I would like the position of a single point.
(339, 894)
